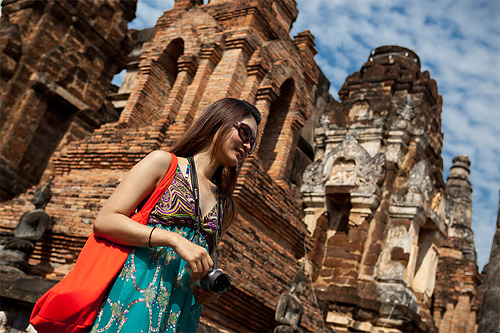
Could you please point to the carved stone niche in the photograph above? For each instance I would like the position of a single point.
(419, 185)
(405, 111)
(410, 251)
(348, 168)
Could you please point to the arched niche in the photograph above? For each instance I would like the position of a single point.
(279, 109)
(157, 76)
(347, 169)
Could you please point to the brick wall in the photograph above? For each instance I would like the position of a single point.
(198, 55)
(368, 212)
(58, 59)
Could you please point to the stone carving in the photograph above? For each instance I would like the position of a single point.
(324, 121)
(343, 173)
(406, 109)
(313, 176)
(290, 309)
(32, 225)
(419, 185)
(393, 293)
(347, 164)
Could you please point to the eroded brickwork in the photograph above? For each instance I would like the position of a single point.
(380, 213)
(378, 223)
(57, 62)
(489, 320)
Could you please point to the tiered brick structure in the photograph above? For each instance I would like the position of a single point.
(195, 55)
(372, 213)
(378, 208)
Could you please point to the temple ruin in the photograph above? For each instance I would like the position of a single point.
(350, 191)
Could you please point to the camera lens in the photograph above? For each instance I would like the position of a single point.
(221, 283)
(216, 281)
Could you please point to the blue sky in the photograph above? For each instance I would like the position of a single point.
(458, 42)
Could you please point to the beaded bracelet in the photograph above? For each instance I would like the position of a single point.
(150, 236)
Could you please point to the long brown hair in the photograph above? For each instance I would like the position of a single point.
(215, 123)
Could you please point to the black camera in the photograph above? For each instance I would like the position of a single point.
(216, 281)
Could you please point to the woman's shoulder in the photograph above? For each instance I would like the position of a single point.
(157, 162)
(160, 156)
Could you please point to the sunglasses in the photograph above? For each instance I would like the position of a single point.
(245, 134)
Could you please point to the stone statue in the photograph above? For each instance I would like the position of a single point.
(290, 309)
(406, 109)
(32, 225)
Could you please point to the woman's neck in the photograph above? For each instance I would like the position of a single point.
(205, 165)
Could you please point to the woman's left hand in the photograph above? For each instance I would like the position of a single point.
(203, 296)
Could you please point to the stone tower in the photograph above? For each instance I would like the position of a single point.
(376, 202)
(457, 298)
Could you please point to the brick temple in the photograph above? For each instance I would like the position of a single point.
(351, 190)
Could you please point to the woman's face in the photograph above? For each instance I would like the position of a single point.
(234, 149)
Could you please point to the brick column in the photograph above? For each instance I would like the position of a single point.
(210, 56)
(187, 67)
(230, 74)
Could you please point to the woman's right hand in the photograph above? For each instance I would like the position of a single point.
(197, 258)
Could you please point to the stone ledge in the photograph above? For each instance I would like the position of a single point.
(24, 288)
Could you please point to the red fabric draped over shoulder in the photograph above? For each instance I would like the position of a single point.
(72, 304)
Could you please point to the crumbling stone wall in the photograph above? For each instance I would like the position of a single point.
(377, 205)
(196, 54)
(489, 320)
(376, 224)
(57, 62)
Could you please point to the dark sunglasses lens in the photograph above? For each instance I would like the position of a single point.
(245, 133)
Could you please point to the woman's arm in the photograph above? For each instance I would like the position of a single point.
(113, 220)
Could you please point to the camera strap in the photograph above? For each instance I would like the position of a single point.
(197, 211)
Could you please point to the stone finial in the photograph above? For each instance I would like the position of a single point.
(457, 183)
(460, 168)
(459, 206)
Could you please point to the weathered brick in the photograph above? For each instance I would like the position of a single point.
(263, 249)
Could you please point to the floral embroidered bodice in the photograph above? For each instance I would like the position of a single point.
(176, 208)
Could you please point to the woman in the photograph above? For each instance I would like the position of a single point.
(154, 291)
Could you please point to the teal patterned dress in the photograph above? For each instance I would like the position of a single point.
(152, 293)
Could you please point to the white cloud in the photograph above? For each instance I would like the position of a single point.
(148, 12)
